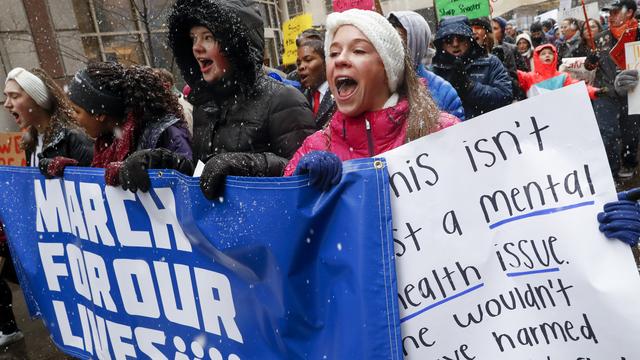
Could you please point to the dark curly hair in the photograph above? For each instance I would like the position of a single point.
(142, 91)
(61, 113)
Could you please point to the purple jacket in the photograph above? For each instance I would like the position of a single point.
(168, 133)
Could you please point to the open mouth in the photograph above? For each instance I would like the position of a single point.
(346, 86)
(205, 64)
(15, 115)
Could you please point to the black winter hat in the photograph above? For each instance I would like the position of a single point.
(536, 26)
(235, 24)
(619, 4)
(483, 22)
(454, 25)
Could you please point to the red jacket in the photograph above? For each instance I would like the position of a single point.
(546, 76)
(350, 138)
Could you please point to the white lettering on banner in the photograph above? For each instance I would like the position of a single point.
(188, 315)
(51, 207)
(65, 328)
(99, 281)
(57, 212)
(95, 214)
(117, 334)
(163, 219)
(127, 237)
(217, 309)
(531, 274)
(98, 335)
(126, 271)
(52, 270)
(75, 212)
(78, 271)
(84, 322)
(138, 286)
(146, 338)
(184, 295)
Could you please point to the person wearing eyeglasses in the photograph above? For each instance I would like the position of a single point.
(480, 79)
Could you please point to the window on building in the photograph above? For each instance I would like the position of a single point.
(295, 7)
(123, 30)
(270, 12)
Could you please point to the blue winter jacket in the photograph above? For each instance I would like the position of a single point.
(491, 86)
(442, 92)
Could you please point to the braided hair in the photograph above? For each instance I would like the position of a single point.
(143, 92)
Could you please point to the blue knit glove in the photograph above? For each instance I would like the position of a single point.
(324, 169)
(621, 219)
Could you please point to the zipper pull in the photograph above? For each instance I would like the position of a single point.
(367, 127)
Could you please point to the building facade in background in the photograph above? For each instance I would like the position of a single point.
(61, 36)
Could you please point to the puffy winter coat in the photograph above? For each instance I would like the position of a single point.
(245, 111)
(366, 135)
(442, 92)
(276, 119)
(68, 142)
(491, 86)
(546, 77)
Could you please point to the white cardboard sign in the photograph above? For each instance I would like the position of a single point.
(632, 58)
(497, 246)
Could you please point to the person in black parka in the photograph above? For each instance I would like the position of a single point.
(244, 122)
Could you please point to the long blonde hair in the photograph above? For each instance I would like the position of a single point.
(423, 111)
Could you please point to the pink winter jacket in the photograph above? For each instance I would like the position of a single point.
(366, 135)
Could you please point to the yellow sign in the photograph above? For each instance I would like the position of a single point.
(290, 31)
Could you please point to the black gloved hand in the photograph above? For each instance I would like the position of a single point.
(324, 169)
(133, 172)
(238, 164)
(54, 167)
(459, 79)
(626, 81)
(592, 61)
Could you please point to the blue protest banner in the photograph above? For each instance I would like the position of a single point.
(276, 270)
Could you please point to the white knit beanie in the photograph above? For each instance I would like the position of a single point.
(380, 33)
(32, 85)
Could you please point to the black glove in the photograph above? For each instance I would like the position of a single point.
(133, 172)
(592, 61)
(237, 164)
(459, 78)
(625, 81)
(51, 168)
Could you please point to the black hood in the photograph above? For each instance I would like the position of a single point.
(236, 24)
(455, 25)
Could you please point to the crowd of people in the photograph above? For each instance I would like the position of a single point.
(366, 84)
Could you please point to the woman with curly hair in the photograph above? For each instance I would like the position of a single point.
(136, 121)
(51, 139)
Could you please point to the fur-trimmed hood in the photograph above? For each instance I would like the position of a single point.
(236, 24)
